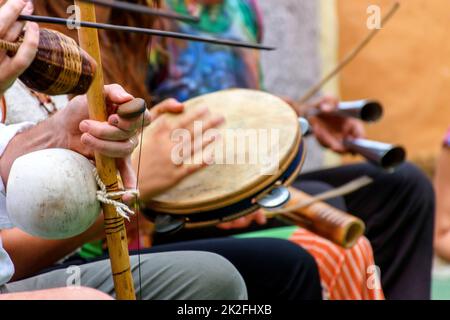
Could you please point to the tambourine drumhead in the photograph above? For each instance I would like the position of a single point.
(222, 185)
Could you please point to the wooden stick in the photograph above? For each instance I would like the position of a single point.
(349, 57)
(322, 219)
(133, 7)
(152, 32)
(114, 224)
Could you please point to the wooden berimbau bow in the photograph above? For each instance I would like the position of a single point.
(115, 231)
(63, 67)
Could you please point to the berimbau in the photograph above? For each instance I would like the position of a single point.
(52, 193)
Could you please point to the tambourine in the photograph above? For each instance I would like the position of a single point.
(225, 191)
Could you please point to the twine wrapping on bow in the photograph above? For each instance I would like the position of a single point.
(106, 197)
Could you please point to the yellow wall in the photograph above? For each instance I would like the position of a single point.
(407, 67)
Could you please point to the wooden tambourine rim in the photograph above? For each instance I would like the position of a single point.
(207, 223)
(238, 196)
(205, 219)
(254, 188)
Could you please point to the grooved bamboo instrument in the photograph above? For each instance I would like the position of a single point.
(60, 65)
(114, 224)
(324, 220)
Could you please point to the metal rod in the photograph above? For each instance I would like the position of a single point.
(153, 32)
(133, 7)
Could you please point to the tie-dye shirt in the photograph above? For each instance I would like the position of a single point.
(186, 69)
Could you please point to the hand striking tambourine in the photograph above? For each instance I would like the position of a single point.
(224, 192)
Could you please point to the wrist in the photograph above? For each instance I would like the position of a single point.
(42, 136)
(303, 110)
(60, 137)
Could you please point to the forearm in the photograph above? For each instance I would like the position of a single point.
(31, 255)
(442, 185)
(442, 246)
(42, 136)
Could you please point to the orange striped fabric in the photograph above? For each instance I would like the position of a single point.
(346, 274)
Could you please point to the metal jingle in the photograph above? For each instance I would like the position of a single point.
(305, 126)
(165, 224)
(278, 197)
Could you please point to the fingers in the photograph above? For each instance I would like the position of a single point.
(113, 149)
(199, 160)
(117, 137)
(327, 104)
(236, 224)
(328, 140)
(16, 29)
(9, 13)
(186, 120)
(116, 94)
(260, 218)
(201, 122)
(130, 125)
(207, 140)
(26, 53)
(212, 122)
(105, 131)
(244, 222)
(354, 129)
(167, 106)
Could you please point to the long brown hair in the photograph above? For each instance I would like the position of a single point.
(124, 55)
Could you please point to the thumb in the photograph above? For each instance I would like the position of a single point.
(260, 218)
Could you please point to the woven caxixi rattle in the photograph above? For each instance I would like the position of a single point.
(60, 65)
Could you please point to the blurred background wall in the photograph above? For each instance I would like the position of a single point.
(407, 67)
(305, 33)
